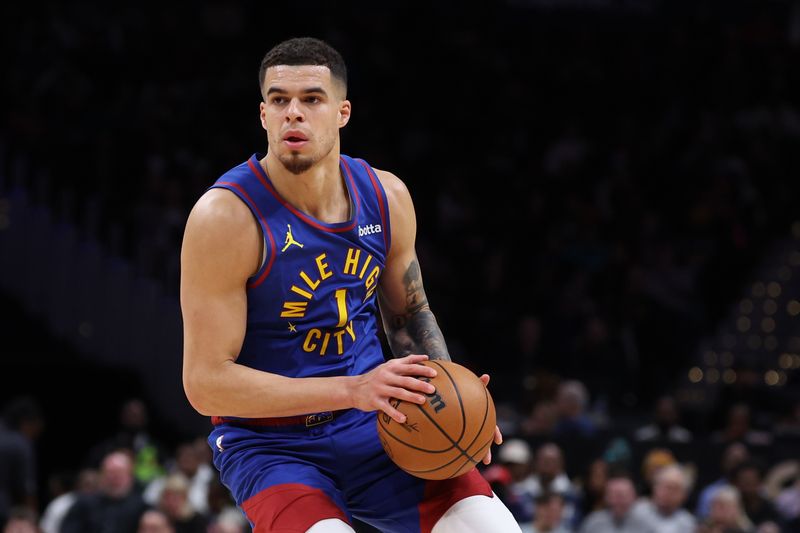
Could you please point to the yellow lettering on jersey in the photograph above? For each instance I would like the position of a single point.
(301, 292)
(325, 343)
(339, 334)
(318, 341)
(311, 284)
(372, 278)
(364, 268)
(324, 273)
(308, 345)
(351, 262)
(294, 309)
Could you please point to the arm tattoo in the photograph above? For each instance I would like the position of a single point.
(415, 330)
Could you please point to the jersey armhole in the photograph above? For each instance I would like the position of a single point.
(266, 234)
(383, 204)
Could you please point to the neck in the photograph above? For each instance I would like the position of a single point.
(320, 191)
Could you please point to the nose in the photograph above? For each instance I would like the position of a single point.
(294, 111)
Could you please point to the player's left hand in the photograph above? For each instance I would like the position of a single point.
(498, 437)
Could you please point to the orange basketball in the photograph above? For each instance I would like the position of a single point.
(450, 433)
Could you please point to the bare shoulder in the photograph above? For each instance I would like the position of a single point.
(220, 207)
(396, 191)
(222, 229)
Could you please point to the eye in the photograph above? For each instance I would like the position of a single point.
(311, 99)
(278, 100)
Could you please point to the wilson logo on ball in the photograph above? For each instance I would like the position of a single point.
(434, 398)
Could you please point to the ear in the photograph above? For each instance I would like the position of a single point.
(262, 109)
(344, 113)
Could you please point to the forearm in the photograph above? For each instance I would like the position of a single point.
(416, 332)
(230, 389)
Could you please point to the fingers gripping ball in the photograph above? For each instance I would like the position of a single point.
(450, 433)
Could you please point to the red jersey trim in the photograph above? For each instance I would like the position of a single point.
(263, 178)
(381, 200)
(271, 251)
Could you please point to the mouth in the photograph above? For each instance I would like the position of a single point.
(295, 139)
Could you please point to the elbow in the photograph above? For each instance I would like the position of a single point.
(196, 393)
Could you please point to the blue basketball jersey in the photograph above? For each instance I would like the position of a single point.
(311, 308)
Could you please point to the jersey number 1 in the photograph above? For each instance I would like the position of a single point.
(341, 303)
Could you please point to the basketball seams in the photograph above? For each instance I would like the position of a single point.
(459, 459)
(460, 400)
(397, 438)
(478, 434)
(471, 460)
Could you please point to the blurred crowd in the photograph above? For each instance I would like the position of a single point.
(129, 482)
(560, 471)
(593, 188)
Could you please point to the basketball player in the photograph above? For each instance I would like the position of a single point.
(283, 260)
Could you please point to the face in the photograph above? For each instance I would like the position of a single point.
(669, 492)
(303, 109)
(548, 461)
(116, 475)
(666, 412)
(748, 481)
(16, 525)
(154, 522)
(724, 512)
(549, 514)
(620, 496)
(187, 460)
(598, 475)
(173, 502)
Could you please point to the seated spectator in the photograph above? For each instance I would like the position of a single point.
(20, 427)
(620, 497)
(653, 461)
(21, 520)
(175, 504)
(514, 458)
(542, 420)
(58, 508)
(593, 491)
(549, 514)
(782, 486)
(549, 475)
(154, 521)
(738, 428)
(116, 506)
(665, 426)
(572, 400)
(748, 479)
(221, 506)
(663, 512)
(734, 455)
(226, 524)
(133, 434)
(189, 463)
(726, 514)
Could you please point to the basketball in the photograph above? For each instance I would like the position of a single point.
(449, 434)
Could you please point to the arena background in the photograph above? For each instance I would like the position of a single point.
(606, 192)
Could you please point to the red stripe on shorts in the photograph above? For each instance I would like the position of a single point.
(440, 495)
(290, 507)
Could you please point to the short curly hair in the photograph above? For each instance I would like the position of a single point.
(304, 51)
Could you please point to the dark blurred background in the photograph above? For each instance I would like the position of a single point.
(606, 193)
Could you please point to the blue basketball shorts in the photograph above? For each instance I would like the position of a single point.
(287, 478)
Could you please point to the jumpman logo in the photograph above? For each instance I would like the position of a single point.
(289, 239)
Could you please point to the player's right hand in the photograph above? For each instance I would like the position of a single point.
(396, 378)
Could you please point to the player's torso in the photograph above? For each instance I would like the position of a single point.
(312, 305)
